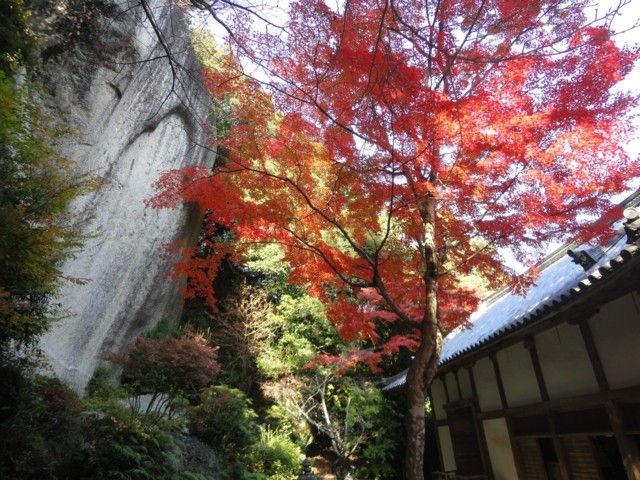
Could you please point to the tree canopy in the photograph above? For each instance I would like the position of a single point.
(397, 144)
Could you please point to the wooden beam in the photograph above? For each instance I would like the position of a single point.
(437, 423)
(561, 452)
(482, 443)
(579, 402)
(480, 425)
(595, 454)
(626, 445)
(594, 357)
(530, 344)
(482, 439)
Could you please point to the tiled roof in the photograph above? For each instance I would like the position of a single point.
(559, 282)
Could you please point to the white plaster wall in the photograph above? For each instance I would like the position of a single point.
(500, 452)
(465, 383)
(439, 399)
(488, 395)
(446, 449)
(616, 333)
(452, 386)
(565, 363)
(518, 376)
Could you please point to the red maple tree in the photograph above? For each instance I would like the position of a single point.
(399, 143)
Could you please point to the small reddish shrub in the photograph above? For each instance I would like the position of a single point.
(172, 365)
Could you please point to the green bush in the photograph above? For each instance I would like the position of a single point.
(17, 41)
(123, 445)
(286, 422)
(383, 423)
(36, 187)
(41, 428)
(47, 433)
(273, 457)
(288, 355)
(224, 419)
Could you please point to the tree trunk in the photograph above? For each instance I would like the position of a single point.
(425, 362)
(419, 377)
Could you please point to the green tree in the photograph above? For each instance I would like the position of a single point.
(17, 42)
(36, 187)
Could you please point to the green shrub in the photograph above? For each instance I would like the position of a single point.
(273, 457)
(165, 329)
(17, 41)
(224, 419)
(122, 442)
(286, 422)
(36, 187)
(226, 422)
(104, 389)
(288, 355)
(41, 428)
(383, 423)
(124, 445)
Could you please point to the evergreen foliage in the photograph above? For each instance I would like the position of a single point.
(17, 42)
(36, 187)
(273, 457)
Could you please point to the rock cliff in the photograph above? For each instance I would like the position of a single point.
(130, 117)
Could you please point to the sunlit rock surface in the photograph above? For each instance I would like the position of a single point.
(127, 126)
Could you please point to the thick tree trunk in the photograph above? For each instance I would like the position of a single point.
(425, 362)
(419, 377)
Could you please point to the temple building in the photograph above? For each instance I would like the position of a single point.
(546, 386)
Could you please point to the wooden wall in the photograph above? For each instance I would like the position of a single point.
(566, 371)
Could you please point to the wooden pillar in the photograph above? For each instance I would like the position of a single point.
(446, 389)
(594, 356)
(496, 371)
(482, 439)
(626, 445)
(530, 345)
(455, 373)
(507, 418)
(472, 381)
(437, 433)
(561, 452)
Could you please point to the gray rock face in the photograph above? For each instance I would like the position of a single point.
(130, 120)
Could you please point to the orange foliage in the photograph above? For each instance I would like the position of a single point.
(509, 124)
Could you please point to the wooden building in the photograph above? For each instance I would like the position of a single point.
(547, 386)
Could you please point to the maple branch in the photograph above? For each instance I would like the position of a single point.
(375, 49)
(470, 257)
(359, 250)
(451, 60)
(389, 215)
(165, 47)
(251, 12)
(321, 254)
